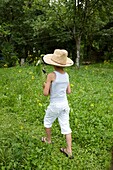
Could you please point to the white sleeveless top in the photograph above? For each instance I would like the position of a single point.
(58, 88)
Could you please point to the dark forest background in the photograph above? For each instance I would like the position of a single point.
(30, 28)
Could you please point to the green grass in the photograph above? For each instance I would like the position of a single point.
(22, 108)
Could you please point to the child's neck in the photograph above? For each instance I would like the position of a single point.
(59, 69)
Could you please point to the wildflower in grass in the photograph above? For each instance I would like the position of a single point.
(34, 137)
(19, 97)
(72, 85)
(21, 127)
(40, 104)
(30, 72)
(38, 101)
(92, 104)
(86, 67)
(106, 61)
(33, 77)
(111, 94)
(5, 65)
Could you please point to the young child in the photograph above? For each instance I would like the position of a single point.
(57, 86)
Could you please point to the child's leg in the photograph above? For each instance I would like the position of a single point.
(49, 118)
(48, 133)
(69, 143)
(65, 129)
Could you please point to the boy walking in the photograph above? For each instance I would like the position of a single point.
(57, 86)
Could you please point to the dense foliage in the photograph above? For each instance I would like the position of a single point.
(29, 28)
(22, 108)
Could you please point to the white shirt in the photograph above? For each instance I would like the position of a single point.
(58, 88)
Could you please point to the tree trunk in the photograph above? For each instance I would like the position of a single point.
(78, 41)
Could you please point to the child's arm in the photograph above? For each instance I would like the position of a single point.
(47, 85)
(68, 91)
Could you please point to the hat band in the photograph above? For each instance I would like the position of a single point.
(58, 62)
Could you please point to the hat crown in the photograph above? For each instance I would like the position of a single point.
(60, 56)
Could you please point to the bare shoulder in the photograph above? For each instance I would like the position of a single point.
(51, 76)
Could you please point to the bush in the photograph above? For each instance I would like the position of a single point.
(10, 56)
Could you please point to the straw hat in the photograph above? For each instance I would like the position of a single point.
(58, 58)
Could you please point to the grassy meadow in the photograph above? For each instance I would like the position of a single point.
(22, 109)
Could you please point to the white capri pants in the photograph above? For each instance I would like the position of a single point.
(60, 111)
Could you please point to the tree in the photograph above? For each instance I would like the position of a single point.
(77, 20)
(102, 39)
(11, 21)
(80, 26)
(16, 30)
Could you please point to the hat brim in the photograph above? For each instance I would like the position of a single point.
(47, 59)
